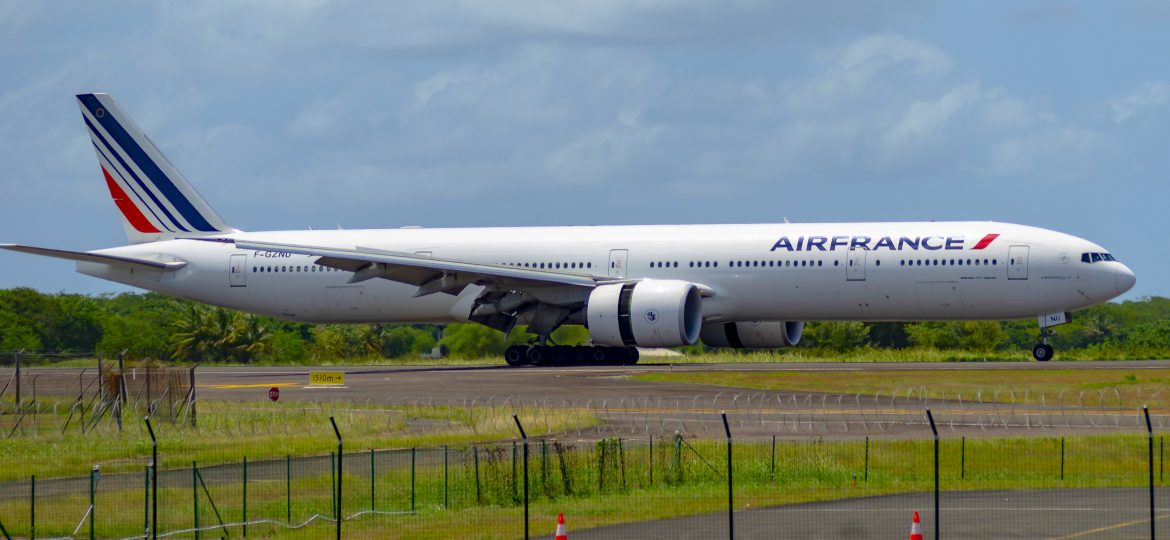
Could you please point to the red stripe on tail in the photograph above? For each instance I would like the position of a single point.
(132, 213)
(986, 241)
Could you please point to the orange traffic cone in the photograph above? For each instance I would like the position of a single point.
(562, 535)
(916, 528)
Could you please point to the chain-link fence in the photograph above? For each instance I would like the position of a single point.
(615, 487)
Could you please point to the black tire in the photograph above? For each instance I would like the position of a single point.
(631, 357)
(561, 355)
(1042, 352)
(540, 356)
(577, 355)
(516, 355)
(598, 354)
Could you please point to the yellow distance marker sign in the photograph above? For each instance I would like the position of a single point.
(326, 378)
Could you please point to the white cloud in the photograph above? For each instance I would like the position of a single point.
(1148, 96)
(924, 118)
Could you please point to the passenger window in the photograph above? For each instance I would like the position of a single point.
(877, 263)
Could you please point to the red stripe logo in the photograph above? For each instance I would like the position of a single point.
(132, 213)
(986, 241)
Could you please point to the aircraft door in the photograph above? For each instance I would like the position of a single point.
(1018, 262)
(237, 277)
(855, 266)
(617, 262)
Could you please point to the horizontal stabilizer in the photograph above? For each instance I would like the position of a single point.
(112, 260)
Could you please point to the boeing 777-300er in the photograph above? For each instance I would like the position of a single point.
(741, 286)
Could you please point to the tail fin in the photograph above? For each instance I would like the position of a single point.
(155, 201)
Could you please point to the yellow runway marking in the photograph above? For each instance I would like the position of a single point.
(1109, 528)
(256, 385)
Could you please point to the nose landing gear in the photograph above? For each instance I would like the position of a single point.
(1043, 352)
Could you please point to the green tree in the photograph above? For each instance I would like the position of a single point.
(472, 340)
(839, 336)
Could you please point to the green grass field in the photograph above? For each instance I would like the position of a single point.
(227, 431)
(1113, 388)
(594, 491)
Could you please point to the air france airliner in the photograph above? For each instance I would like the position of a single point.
(738, 286)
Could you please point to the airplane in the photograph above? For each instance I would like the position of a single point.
(738, 286)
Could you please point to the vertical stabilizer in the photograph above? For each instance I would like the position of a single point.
(155, 200)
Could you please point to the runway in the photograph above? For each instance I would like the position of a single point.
(409, 383)
(1061, 514)
(627, 405)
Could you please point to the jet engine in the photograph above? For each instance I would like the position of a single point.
(753, 335)
(649, 313)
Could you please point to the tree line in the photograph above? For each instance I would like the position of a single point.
(151, 325)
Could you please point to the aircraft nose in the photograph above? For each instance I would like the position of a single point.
(1123, 278)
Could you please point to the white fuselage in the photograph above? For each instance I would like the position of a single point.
(770, 272)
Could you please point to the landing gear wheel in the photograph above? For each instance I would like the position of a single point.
(598, 354)
(516, 355)
(540, 355)
(1042, 352)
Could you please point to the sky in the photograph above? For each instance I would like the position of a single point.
(315, 113)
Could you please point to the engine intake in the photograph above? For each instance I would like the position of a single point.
(649, 313)
(753, 335)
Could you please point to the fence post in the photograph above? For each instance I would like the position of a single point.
(412, 480)
(288, 489)
(153, 480)
(1150, 434)
(245, 497)
(340, 469)
(934, 430)
(1161, 458)
(515, 490)
(16, 358)
(94, 475)
(121, 378)
(866, 477)
(195, 497)
(1062, 458)
(772, 467)
(524, 437)
(371, 480)
(445, 499)
(32, 508)
(963, 457)
(651, 459)
(730, 480)
(678, 456)
(5, 532)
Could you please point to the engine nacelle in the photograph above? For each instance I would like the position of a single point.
(649, 313)
(753, 335)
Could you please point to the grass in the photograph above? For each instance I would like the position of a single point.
(229, 430)
(1113, 388)
(601, 491)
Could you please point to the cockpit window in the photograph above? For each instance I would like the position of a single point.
(1096, 257)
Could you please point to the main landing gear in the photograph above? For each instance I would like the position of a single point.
(560, 355)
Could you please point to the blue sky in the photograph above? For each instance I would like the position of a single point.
(290, 114)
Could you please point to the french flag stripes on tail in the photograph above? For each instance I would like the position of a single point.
(155, 200)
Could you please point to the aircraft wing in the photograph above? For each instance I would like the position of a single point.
(112, 260)
(430, 275)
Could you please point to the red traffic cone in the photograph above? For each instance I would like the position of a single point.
(562, 535)
(916, 528)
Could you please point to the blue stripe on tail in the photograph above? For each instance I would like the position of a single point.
(130, 171)
(147, 165)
